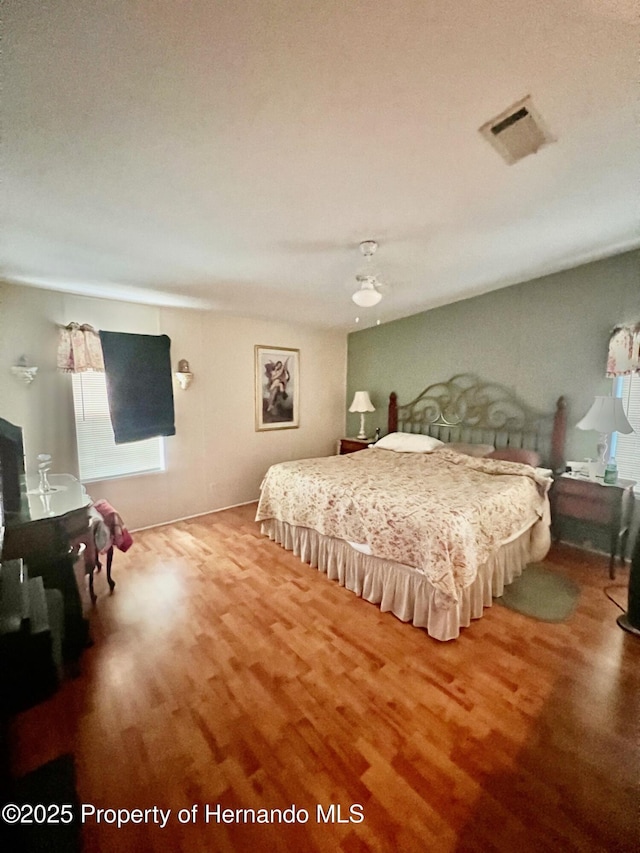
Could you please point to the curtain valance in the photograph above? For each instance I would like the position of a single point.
(624, 351)
(79, 349)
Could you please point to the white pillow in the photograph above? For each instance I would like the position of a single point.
(408, 442)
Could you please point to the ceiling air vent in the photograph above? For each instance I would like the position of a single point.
(517, 132)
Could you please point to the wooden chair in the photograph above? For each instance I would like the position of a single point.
(85, 546)
(98, 567)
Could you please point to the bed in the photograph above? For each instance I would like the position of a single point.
(432, 521)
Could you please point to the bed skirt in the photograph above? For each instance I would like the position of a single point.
(405, 591)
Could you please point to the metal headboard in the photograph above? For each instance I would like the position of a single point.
(468, 409)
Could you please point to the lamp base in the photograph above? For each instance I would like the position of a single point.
(362, 434)
(625, 624)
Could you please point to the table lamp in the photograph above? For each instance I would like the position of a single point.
(605, 416)
(361, 403)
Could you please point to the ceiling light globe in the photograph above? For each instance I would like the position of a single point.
(366, 298)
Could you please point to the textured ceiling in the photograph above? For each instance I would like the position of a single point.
(233, 154)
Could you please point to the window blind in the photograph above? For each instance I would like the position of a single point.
(627, 449)
(99, 457)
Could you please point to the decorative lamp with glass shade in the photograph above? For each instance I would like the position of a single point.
(368, 293)
(361, 403)
(23, 371)
(605, 416)
(184, 374)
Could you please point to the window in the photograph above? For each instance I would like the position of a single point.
(626, 448)
(99, 457)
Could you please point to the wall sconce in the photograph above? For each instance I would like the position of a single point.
(24, 371)
(184, 374)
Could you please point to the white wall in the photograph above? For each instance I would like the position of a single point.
(216, 458)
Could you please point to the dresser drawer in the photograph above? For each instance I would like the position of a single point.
(352, 445)
(588, 490)
(587, 509)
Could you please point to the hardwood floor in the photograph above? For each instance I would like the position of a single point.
(226, 673)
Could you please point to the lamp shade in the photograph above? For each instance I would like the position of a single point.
(367, 296)
(606, 415)
(361, 402)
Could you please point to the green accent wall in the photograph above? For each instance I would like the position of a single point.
(543, 339)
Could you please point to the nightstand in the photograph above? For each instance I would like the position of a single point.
(352, 445)
(594, 502)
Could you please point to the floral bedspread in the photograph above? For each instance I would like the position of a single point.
(443, 513)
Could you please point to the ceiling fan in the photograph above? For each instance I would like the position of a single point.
(368, 294)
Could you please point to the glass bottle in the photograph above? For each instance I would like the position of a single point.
(44, 466)
(611, 473)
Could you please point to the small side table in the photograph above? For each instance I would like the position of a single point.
(609, 506)
(352, 445)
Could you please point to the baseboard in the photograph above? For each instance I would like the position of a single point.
(190, 517)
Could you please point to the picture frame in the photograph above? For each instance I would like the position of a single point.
(277, 387)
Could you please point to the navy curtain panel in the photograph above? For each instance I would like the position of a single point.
(139, 387)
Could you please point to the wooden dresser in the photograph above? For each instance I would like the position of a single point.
(352, 445)
(593, 502)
